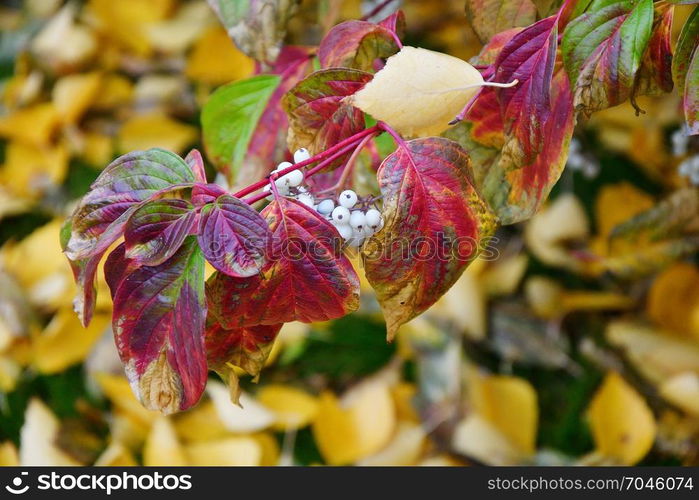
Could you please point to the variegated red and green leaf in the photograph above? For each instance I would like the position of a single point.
(436, 223)
(158, 321)
(691, 95)
(206, 193)
(100, 218)
(268, 142)
(490, 17)
(517, 194)
(603, 50)
(655, 74)
(357, 44)
(156, 230)
(247, 347)
(687, 44)
(233, 237)
(318, 117)
(529, 58)
(309, 278)
(490, 51)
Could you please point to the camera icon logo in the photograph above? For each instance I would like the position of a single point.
(16, 487)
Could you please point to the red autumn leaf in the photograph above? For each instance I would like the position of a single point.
(529, 58)
(196, 163)
(436, 224)
(206, 193)
(233, 236)
(490, 51)
(156, 230)
(357, 44)
(309, 279)
(158, 322)
(318, 117)
(247, 348)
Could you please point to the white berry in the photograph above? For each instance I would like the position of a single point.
(344, 230)
(326, 207)
(341, 215)
(357, 220)
(306, 199)
(267, 189)
(348, 198)
(301, 155)
(294, 178)
(373, 218)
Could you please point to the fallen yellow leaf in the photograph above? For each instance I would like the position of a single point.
(215, 60)
(293, 408)
(358, 425)
(155, 131)
(622, 425)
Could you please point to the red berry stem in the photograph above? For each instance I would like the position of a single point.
(330, 152)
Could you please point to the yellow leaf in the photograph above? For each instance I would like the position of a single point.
(548, 232)
(201, 423)
(269, 448)
(403, 397)
(8, 454)
(243, 450)
(509, 404)
(419, 91)
(176, 34)
(357, 426)
(615, 204)
(62, 44)
(464, 304)
(504, 275)
(155, 131)
(476, 437)
(656, 355)
(115, 91)
(162, 448)
(30, 171)
(116, 455)
(293, 408)
(683, 391)
(48, 281)
(404, 449)
(65, 341)
(73, 94)
(126, 21)
(215, 60)
(548, 299)
(34, 125)
(97, 149)
(622, 425)
(38, 438)
(10, 372)
(673, 299)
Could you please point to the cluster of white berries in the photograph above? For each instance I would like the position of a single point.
(354, 225)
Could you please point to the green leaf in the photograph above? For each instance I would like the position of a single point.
(229, 119)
